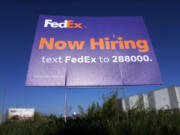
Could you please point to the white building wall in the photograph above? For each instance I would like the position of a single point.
(145, 100)
(162, 100)
(166, 98)
(126, 100)
(178, 96)
(174, 97)
(178, 90)
(151, 100)
(133, 101)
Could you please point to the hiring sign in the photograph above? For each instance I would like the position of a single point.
(92, 51)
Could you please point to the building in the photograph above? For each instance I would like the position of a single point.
(165, 98)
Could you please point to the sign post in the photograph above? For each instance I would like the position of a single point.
(65, 105)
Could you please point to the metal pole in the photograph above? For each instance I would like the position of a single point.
(65, 105)
(124, 96)
(3, 100)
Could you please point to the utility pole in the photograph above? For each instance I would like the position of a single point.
(3, 101)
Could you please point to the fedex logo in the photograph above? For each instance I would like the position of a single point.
(65, 24)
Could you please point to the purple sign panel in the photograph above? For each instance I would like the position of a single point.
(92, 51)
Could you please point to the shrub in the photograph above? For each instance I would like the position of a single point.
(105, 119)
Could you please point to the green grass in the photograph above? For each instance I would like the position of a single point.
(105, 119)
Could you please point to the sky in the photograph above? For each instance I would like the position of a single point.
(18, 20)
